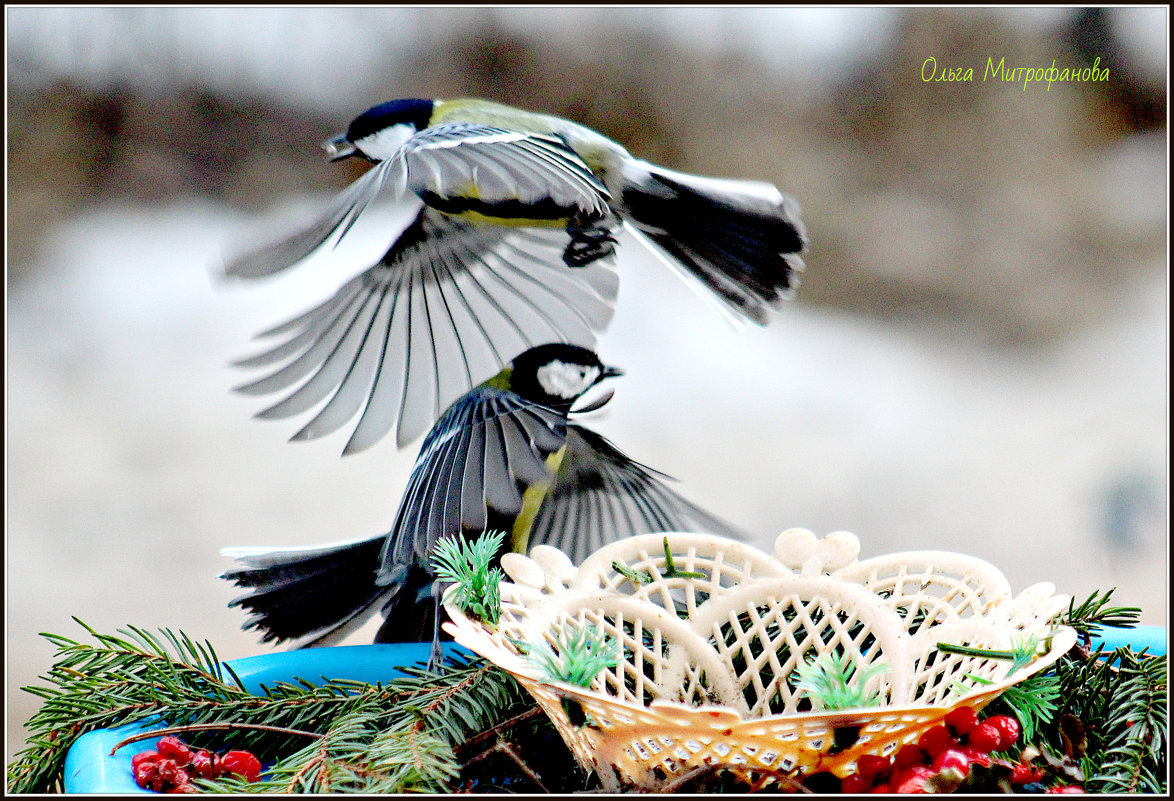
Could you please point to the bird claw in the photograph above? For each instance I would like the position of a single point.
(590, 241)
(435, 657)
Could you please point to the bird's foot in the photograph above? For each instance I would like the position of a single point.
(590, 241)
(435, 657)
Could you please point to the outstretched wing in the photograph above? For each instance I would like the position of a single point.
(446, 308)
(384, 180)
(475, 463)
(602, 496)
(462, 167)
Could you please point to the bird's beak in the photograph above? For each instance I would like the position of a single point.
(338, 148)
(610, 372)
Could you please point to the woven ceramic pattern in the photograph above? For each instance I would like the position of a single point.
(711, 645)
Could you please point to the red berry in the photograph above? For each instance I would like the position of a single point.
(883, 787)
(158, 775)
(912, 780)
(184, 785)
(936, 740)
(168, 770)
(1066, 788)
(1008, 728)
(174, 748)
(855, 784)
(243, 763)
(984, 737)
(872, 767)
(952, 758)
(977, 757)
(144, 772)
(961, 720)
(909, 755)
(204, 765)
(1024, 773)
(144, 757)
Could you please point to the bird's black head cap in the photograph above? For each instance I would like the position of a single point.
(412, 111)
(556, 375)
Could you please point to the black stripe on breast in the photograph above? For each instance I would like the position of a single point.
(545, 209)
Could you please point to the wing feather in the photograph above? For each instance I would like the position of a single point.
(355, 386)
(447, 307)
(493, 166)
(485, 451)
(601, 496)
(338, 352)
(382, 180)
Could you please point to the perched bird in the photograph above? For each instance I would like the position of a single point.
(504, 457)
(512, 245)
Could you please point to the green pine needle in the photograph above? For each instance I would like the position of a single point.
(634, 576)
(466, 563)
(1024, 651)
(1090, 616)
(580, 654)
(670, 569)
(1034, 702)
(827, 681)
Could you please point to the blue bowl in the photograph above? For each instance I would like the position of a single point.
(90, 767)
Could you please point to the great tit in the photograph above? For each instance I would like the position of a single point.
(512, 245)
(504, 457)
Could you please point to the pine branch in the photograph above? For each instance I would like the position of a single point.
(170, 678)
(1133, 756)
(467, 563)
(1111, 717)
(123, 680)
(1090, 616)
(187, 730)
(1033, 702)
(399, 739)
(832, 681)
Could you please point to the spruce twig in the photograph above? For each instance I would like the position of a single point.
(828, 682)
(1094, 613)
(383, 737)
(466, 563)
(504, 747)
(496, 731)
(1023, 652)
(579, 655)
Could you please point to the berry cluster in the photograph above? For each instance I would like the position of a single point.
(171, 768)
(960, 742)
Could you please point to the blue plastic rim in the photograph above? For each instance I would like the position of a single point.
(1152, 639)
(90, 767)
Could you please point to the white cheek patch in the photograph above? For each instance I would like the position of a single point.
(564, 380)
(382, 145)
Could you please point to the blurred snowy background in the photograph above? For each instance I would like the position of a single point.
(976, 361)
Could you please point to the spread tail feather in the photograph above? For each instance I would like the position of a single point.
(322, 594)
(318, 596)
(740, 239)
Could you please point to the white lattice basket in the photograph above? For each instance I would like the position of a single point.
(707, 675)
